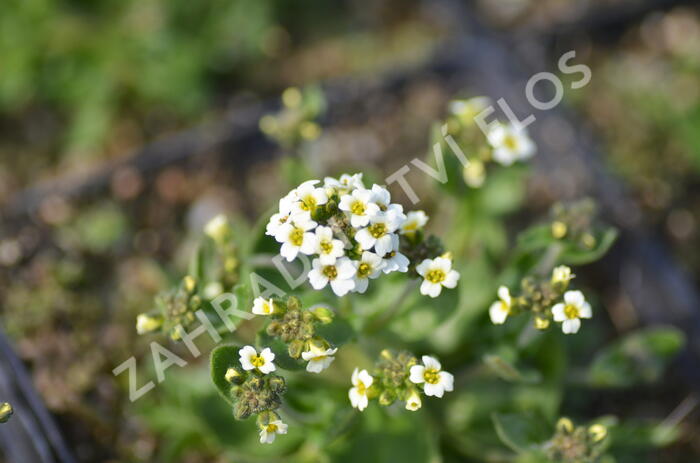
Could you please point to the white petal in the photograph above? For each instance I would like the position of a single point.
(366, 378)
(434, 390)
(355, 377)
(585, 310)
(345, 269)
(497, 314)
(365, 238)
(504, 294)
(268, 367)
(314, 366)
(267, 355)
(574, 298)
(434, 290)
(571, 326)
(447, 380)
(358, 221)
(361, 285)
(416, 374)
(384, 245)
(443, 264)
(424, 266)
(354, 397)
(342, 287)
(289, 251)
(431, 362)
(317, 279)
(451, 279)
(558, 312)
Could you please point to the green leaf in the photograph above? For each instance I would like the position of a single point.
(575, 255)
(521, 433)
(338, 332)
(640, 357)
(221, 359)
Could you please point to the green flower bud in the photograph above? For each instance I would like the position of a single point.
(235, 376)
(6, 412)
(387, 397)
(295, 348)
(277, 384)
(323, 314)
(293, 303)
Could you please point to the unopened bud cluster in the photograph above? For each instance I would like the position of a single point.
(295, 122)
(399, 377)
(576, 444)
(548, 299)
(575, 223)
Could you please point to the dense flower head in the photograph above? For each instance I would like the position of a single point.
(354, 234)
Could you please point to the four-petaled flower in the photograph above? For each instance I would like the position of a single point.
(435, 381)
(360, 206)
(379, 234)
(340, 275)
(361, 381)
(415, 220)
(500, 309)
(262, 306)
(327, 247)
(510, 144)
(309, 197)
(269, 431)
(437, 273)
(570, 312)
(369, 266)
(251, 360)
(296, 237)
(318, 360)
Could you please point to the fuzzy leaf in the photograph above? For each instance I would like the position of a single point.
(221, 359)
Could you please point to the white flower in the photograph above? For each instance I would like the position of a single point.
(276, 222)
(571, 311)
(328, 248)
(217, 228)
(467, 110)
(395, 261)
(562, 274)
(340, 275)
(346, 182)
(510, 144)
(295, 238)
(318, 360)
(436, 273)
(251, 360)
(415, 220)
(308, 198)
(500, 309)
(435, 382)
(286, 204)
(413, 402)
(270, 431)
(147, 324)
(361, 381)
(359, 206)
(379, 234)
(262, 306)
(369, 266)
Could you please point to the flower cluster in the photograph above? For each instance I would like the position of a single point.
(503, 143)
(399, 377)
(296, 327)
(356, 234)
(576, 444)
(547, 299)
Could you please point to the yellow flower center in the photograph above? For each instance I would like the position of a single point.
(331, 272)
(571, 311)
(308, 203)
(510, 142)
(358, 208)
(377, 230)
(364, 270)
(296, 237)
(410, 226)
(270, 428)
(257, 361)
(435, 276)
(267, 308)
(431, 376)
(326, 247)
(361, 388)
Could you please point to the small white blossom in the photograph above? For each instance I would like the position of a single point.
(217, 228)
(562, 274)
(340, 275)
(500, 309)
(361, 381)
(262, 306)
(413, 402)
(328, 248)
(295, 238)
(436, 273)
(147, 324)
(395, 261)
(467, 110)
(269, 432)
(570, 312)
(368, 267)
(435, 381)
(360, 206)
(381, 196)
(510, 144)
(379, 234)
(251, 360)
(318, 360)
(309, 197)
(345, 183)
(276, 222)
(415, 220)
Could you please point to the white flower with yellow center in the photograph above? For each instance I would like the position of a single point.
(318, 360)
(394, 261)
(262, 306)
(328, 248)
(296, 237)
(217, 228)
(269, 431)
(500, 309)
(359, 206)
(467, 110)
(435, 381)
(345, 183)
(415, 220)
(436, 273)
(368, 267)
(361, 382)
(510, 144)
(251, 360)
(562, 275)
(381, 197)
(309, 197)
(570, 312)
(413, 402)
(276, 222)
(379, 234)
(147, 324)
(340, 275)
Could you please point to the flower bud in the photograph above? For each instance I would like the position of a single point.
(218, 229)
(598, 432)
(189, 283)
(293, 303)
(277, 384)
(6, 412)
(565, 425)
(387, 398)
(413, 401)
(323, 314)
(562, 276)
(273, 329)
(234, 376)
(295, 348)
(147, 324)
(541, 323)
